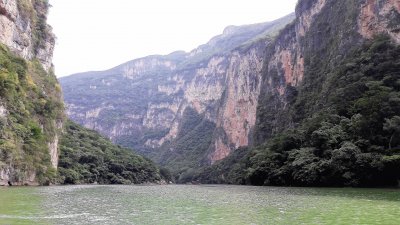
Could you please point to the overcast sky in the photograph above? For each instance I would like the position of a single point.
(100, 34)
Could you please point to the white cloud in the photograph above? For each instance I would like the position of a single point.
(100, 34)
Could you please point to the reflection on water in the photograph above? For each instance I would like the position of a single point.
(208, 204)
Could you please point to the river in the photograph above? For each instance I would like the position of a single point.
(197, 204)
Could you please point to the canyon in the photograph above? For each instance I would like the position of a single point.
(146, 103)
(190, 110)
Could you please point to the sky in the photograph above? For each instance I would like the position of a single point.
(100, 34)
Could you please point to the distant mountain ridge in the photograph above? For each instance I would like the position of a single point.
(146, 103)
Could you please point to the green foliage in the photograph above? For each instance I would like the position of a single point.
(86, 157)
(33, 106)
(351, 139)
(228, 171)
(392, 126)
(166, 174)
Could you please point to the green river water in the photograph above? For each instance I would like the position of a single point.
(197, 204)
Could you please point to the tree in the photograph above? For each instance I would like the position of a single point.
(392, 126)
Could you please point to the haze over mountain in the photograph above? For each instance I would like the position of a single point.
(110, 34)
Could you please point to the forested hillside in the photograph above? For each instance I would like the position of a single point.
(87, 157)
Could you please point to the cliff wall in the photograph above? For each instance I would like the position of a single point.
(323, 34)
(328, 101)
(31, 108)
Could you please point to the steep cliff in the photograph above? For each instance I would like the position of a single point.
(328, 110)
(184, 109)
(323, 34)
(25, 31)
(31, 109)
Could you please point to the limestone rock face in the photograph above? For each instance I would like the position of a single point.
(18, 30)
(148, 99)
(380, 17)
(237, 112)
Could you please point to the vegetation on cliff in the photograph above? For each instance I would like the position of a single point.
(31, 109)
(87, 157)
(352, 139)
(31, 103)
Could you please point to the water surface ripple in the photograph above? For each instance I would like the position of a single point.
(205, 204)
